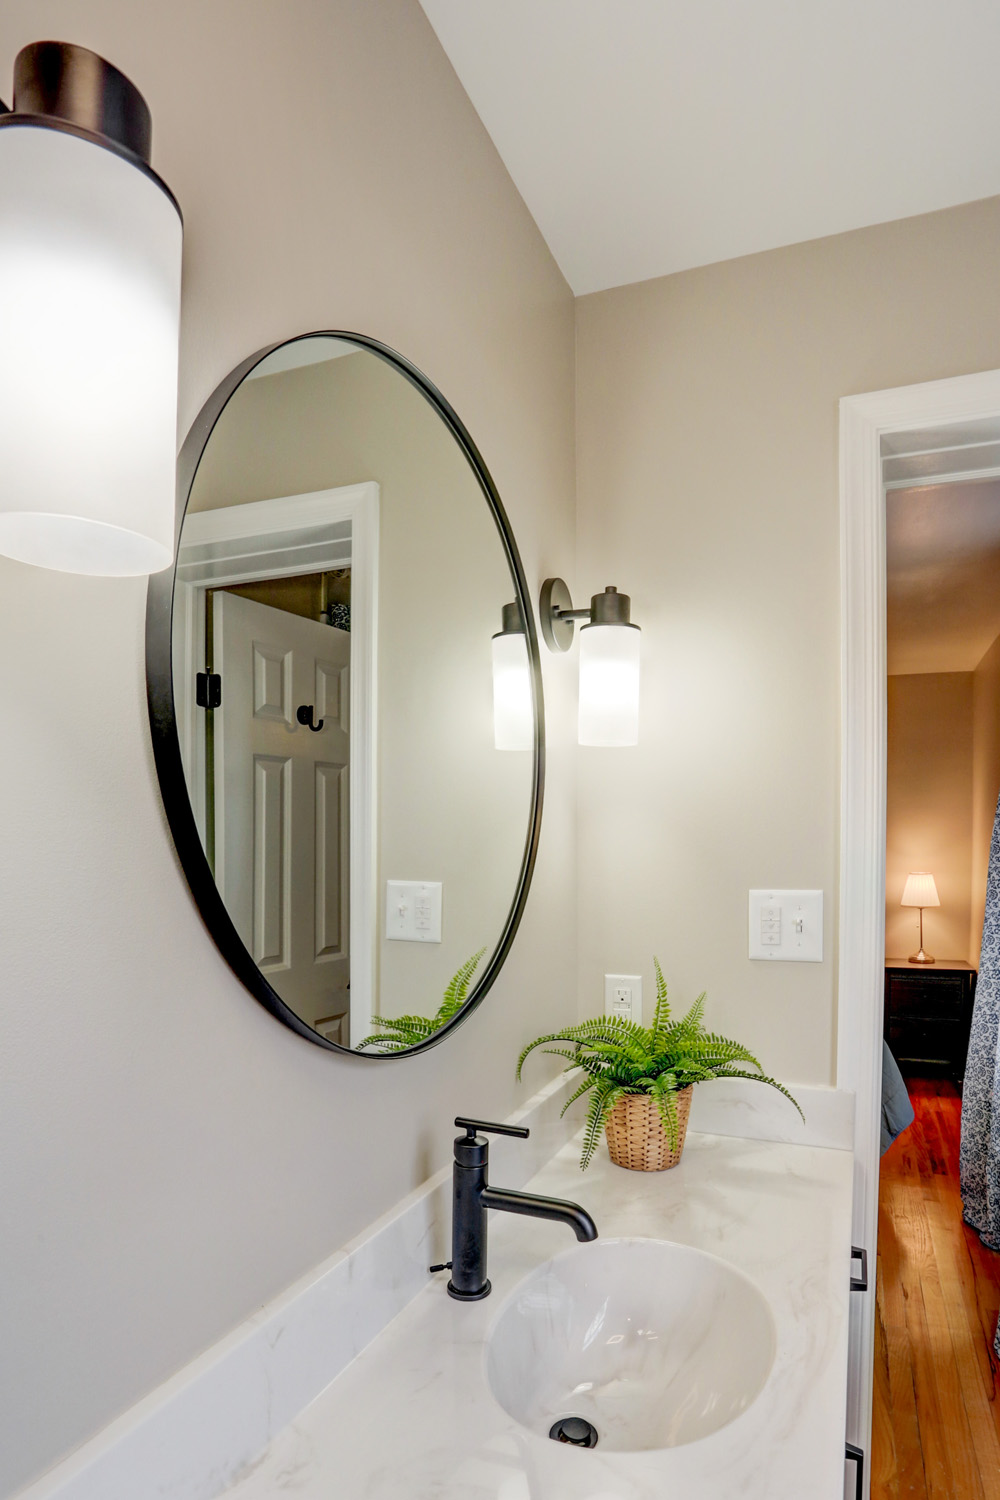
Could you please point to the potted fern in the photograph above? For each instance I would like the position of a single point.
(398, 1033)
(640, 1079)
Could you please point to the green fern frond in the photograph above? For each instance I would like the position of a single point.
(588, 1083)
(665, 1093)
(457, 990)
(601, 1104)
(400, 1032)
(661, 1014)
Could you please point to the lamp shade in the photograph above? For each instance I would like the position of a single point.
(513, 717)
(90, 263)
(609, 685)
(920, 890)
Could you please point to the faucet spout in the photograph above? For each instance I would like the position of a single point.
(536, 1207)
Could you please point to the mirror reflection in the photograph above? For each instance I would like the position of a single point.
(357, 749)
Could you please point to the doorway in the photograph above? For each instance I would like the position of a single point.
(953, 425)
(937, 1286)
(288, 587)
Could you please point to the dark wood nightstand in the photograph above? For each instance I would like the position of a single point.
(928, 1015)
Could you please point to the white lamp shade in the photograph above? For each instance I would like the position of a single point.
(920, 890)
(90, 270)
(609, 685)
(513, 716)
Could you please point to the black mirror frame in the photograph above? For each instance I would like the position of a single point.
(163, 721)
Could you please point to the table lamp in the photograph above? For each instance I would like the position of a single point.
(921, 891)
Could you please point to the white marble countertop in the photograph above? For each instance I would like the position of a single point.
(412, 1418)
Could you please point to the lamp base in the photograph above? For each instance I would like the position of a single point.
(921, 958)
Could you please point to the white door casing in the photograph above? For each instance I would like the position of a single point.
(281, 804)
(864, 420)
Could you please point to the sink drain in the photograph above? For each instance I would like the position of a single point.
(575, 1430)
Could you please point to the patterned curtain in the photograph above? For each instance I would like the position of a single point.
(980, 1152)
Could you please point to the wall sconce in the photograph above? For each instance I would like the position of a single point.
(513, 718)
(90, 274)
(609, 660)
(921, 891)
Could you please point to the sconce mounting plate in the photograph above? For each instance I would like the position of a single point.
(557, 631)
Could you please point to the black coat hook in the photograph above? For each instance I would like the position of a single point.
(304, 714)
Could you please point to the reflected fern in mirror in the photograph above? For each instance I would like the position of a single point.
(400, 1033)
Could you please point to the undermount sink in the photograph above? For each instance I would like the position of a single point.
(653, 1344)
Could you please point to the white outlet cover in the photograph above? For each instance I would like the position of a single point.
(616, 988)
(786, 925)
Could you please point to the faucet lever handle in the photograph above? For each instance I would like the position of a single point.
(472, 1126)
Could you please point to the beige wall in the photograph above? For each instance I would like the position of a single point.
(707, 458)
(929, 809)
(985, 783)
(170, 1156)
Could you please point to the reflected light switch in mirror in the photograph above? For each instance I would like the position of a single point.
(413, 910)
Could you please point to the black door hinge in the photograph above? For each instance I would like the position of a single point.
(858, 1454)
(208, 690)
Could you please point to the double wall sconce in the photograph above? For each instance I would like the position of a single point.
(513, 719)
(609, 660)
(90, 276)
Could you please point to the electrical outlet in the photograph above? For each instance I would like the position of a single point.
(623, 996)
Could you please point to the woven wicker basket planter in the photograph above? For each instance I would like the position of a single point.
(636, 1137)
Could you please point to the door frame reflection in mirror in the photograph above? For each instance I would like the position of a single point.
(163, 716)
(219, 541)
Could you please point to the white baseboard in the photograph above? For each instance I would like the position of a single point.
(735, 1106)
(192, 1436)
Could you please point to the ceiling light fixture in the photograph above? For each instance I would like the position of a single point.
(90, 271)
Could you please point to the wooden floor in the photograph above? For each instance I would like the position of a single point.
(936, 1428)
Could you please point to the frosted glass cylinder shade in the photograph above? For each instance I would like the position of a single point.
(609, 685)
(90, 273)
(920, 890)
(513, 716)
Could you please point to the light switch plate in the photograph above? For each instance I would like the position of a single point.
(413, 910)
(787, 925)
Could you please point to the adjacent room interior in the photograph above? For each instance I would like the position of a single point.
(938, 1283)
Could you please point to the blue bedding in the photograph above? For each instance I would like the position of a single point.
(897, 1111)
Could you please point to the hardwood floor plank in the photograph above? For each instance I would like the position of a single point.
(902, 1395)
(969, 1353)
(944, 1435)
(936, 1415)
(884, 1466)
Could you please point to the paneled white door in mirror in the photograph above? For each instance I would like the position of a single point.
(321, 697)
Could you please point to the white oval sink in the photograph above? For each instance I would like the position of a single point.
(653, 1343)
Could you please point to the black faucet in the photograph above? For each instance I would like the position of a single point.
(473, 1196)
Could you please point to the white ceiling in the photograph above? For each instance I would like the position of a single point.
(649, 136)
(943, 575)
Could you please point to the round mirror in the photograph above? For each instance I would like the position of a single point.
(345, 696)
